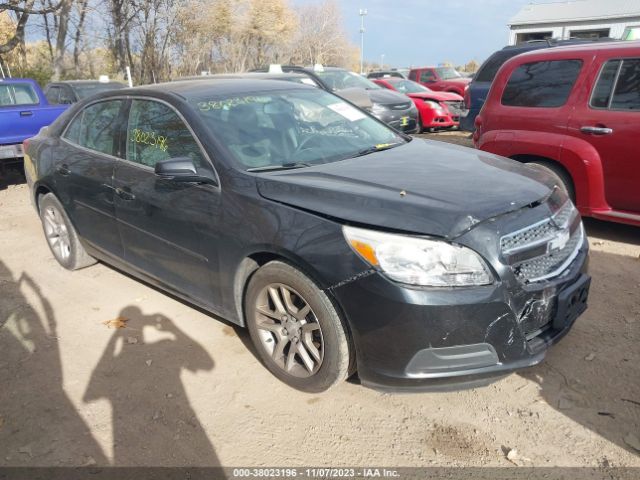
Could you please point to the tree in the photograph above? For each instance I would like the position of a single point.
(22, 9)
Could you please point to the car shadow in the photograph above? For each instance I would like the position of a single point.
(11, 175)
(616, 232)
(592, 375)
(139, 374)
(39, 425)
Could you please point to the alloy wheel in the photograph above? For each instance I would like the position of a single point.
(57, 234)
(289, 330)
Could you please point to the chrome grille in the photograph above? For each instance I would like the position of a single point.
(546, 248)
(550, 265)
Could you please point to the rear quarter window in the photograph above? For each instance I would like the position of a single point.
(544, 84)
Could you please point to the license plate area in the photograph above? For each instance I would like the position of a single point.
(572, 302)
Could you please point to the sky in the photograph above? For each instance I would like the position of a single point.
(428, 32)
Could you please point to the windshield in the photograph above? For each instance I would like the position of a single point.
(17, 94)
(447, 73)
(294, 127)
(84, 91)
(408, 86)
(341, 79)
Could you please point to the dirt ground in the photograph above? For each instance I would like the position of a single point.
(178, 387)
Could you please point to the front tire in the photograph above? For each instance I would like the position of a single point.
(296, 330)
(61, 237)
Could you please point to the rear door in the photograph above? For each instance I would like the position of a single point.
(169, 229)
(84, 165)
(609, 121)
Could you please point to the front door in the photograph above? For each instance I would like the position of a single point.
(169, 229)
(609, 121)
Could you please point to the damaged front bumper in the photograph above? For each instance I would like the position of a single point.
(419, 339)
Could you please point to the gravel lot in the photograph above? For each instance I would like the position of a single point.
(177, 386)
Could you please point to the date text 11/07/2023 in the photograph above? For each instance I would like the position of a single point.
(345, 473)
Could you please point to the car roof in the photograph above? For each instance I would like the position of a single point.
(246, 75)
(87, 82)
(580, 49)
(190, 89)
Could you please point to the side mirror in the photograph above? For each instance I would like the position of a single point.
(181, 169)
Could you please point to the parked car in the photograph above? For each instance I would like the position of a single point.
(391, 107)
(287, 77)
(445, 79)
(436, 110)
(71, 91)
(572, 111)
(24, 110)
(339, 243)
(384, 74)
(478, 90)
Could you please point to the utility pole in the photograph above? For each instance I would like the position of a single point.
(382, 62)
(363, 13)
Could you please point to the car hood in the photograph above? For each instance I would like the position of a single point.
(425, 187)
(438, 96)
(387, 97)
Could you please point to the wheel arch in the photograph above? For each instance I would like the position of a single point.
(528, 158)
(253, 261)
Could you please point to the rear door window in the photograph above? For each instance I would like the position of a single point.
(97, 127)
(618, 85)
(626, 95)
(156, 132)
(541, 84)
(17, 94)
(601, 95)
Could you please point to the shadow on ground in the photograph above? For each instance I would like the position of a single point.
(11, 175)
(152, 421)
(592, 375)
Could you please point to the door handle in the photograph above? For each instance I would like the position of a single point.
(596, 130)
(26, 113)
(63, 170)
(125, 194)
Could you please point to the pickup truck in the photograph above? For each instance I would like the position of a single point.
(24, 110)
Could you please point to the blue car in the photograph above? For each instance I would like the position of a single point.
(24, 110)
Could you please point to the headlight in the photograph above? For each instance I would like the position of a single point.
(378, 108)
(419, 261)
(433, 105)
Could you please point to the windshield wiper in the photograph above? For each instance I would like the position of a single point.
(284, 166)
(376, 148)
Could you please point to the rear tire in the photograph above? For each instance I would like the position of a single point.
(296, 330)
(61, 237)
(562, 178)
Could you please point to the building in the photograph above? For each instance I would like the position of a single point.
(576, 19)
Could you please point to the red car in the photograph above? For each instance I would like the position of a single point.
(441, 79)
(435, 109)
(573, 111)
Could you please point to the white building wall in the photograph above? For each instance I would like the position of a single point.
(563, 30)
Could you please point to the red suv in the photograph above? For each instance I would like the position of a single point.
(575, 112)
(441, 79)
